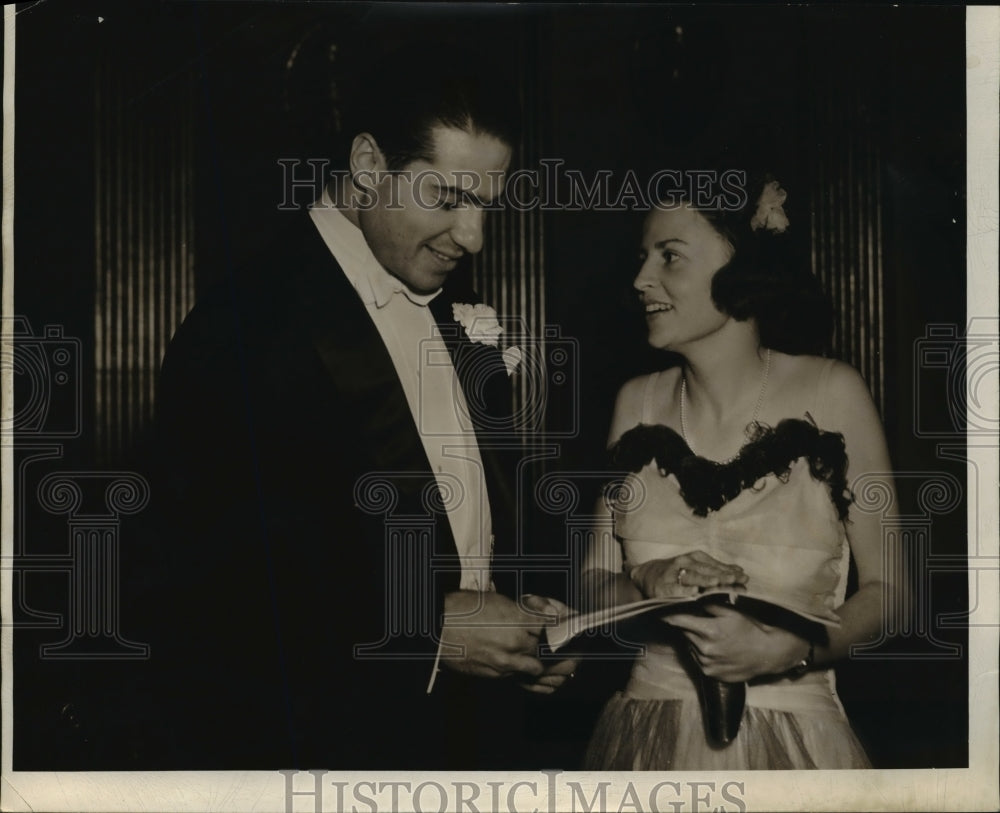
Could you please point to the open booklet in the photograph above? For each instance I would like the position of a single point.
(574, 624)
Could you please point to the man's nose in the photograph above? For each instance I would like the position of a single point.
(467, 230)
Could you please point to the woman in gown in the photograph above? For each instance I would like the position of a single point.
(742, 456)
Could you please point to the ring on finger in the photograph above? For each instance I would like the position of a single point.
(680, 575)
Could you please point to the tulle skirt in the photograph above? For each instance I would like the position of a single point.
(641, 734)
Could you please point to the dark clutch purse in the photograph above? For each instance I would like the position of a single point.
(722, 707)
(722, 703)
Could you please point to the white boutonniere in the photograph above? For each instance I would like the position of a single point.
(770, 213)
(483, 327)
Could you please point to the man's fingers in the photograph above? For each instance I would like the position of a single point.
(550, 609)
(514, 634)
(524, 664)
(555, 681)
(537, 688)
(563, 668)
(548, 682)
(494, 664)
(560, 608)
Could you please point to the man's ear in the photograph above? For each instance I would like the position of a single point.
(366, 157)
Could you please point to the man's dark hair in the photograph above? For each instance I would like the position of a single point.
(401, 98)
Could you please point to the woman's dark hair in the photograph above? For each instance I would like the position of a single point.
(768, 279)
(403, 96)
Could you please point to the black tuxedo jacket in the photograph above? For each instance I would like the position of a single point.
(305, 556)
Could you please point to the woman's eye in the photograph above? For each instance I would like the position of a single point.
(669, 257)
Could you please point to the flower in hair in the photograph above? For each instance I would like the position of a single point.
(770, 215)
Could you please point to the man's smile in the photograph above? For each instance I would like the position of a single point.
(447, 259)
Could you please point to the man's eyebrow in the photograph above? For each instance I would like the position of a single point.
(461, 193)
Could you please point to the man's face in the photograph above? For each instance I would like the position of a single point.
(425, 218)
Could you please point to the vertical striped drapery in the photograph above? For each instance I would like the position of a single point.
(144, 246)
(847, 239)
(509, 274)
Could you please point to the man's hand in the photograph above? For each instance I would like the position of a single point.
(555, 674)
(488, 635)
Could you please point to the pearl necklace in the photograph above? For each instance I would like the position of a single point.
(756, 409)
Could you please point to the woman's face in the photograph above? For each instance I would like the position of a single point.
(680, 254)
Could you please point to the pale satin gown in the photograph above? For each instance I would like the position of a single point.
(785, 532)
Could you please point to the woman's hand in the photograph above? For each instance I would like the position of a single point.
(686, 575)
(733, 647)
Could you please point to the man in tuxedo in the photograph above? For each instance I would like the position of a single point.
(334, 469)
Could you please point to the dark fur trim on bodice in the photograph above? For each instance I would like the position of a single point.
(707, 486)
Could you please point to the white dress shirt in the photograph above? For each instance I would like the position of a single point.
(437, 403)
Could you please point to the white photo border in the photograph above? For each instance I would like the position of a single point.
(975, 788)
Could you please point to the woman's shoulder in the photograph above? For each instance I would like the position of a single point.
(818, 367)
(826, 387)
(636, 398)
(637, 388)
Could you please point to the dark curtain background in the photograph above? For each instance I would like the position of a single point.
(148, 141)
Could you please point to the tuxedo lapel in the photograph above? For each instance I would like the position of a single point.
(485, 384)
(373, 406)
(355, 357)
